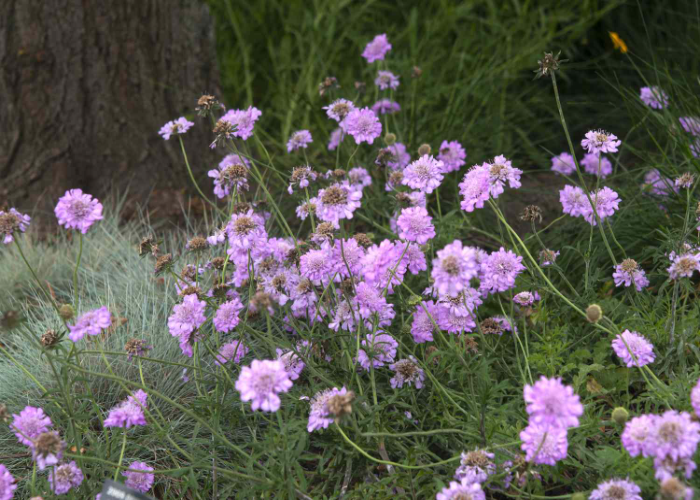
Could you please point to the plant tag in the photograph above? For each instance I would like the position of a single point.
(112, 490)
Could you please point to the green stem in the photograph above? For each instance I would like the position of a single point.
(121, 455)
(75, 274)
(189, 171)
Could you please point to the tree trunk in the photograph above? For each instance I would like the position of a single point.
(86, 85)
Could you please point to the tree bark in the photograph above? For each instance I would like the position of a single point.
(86, 85)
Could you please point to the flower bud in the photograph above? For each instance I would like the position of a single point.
(390, 139)
(620, 415)
(66, 312)
(594, 313)
(424, 149)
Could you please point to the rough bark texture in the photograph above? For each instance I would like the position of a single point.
(86, 85)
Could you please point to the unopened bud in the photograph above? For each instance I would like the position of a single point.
(424, 149)
(594, 313)
(66, 312)
(390, 139)
(620, 415)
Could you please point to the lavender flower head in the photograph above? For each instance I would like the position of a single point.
(47, 449)
(226, 317)
(141, 481)
(128, 413)
(7, 484)
(475, 466)
(684, 265)
(234, 350)
(424, 174)
(246, 232)
(475, 188)
(337, 202)
(563, 164)
(399, 158)
(596, 165)
(377, 48)
(618, 489)
(336, 138)
(452, 156)
(654, 97)
(636, 434)
(454, 266)
(91, 323)
(407, 371)
(674, 436)
(292, 363)
(416, 225)
(640, 347)
(500, 269)
(231, 172)
(690, 124)
(573, 201)
(695, 398)
(29, 424)
(10, 222)
(386, 80)
(423, 326)
(548, 257)
(363, 125)
(243, 120)
(65, 477)
(553, 404)
(186, 318)
(77, 210)
(463, 490)
(318, 416)
(526, 299)
(175, 127)
(628, 272)
(501, 171)
(385, 107)
(606, 202)
(544, 444)
(377, 350)
(261, 382)
(299, 139)
(339, 109)
(658, 185)
(599, 141)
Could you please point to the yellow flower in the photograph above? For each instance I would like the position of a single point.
(618, 43)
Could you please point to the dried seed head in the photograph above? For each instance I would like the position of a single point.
(205, 104)
(164, 263)
(49, 338)
(221, 290)
(189, 290)
(470, 345)
(340, 405)
(620, 415)
(324, 232)
(334, 195)
(223, 129)
(424, 149)
(673, 489)
(197, 244)
(189, 272)
(328, 83)
(629, 265)
(338, 173)
(594, 313)
(218, 263)
(136, 347)
(548, 64)
(242, 207)
(490, 325)
(396, 178)
(66, 312)
(261, 300)
(347, 286)
(148, 245)
(429, 353)
(416, 72)
(531, 213)
(548, 255)
(390, 139)
(363, 240)
(48, 443)
(384, 156)
(9, 222)
(685, 181)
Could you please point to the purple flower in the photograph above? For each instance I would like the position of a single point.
(243, 120)
(234, 350)
(336, 138)
(526, 298)
(64, 477)
(475, 466)
(186, 318)
(424, 174)
(385, 107)
(619, 489)
(551, 403)
(640, 347)
(695, 398)
(47, 449)
(573, 200)
(463, 490)
(377, 48)
(629, 271)
(299, 139)
(29, 424)
(301, 176)
(369, 301)
(246, 232)
(454, 266)
(129, 412)
(475, 188)
(232, 171)
(226, 317)
(76, 210)
(292, 363)
(544, 444)
(319, 416)
(654, 97)
(91, 323)
(386, 80)
(691, 125)
(454, 321)
(399, 157)
(658, 185)
(667, 468)
(606, 201)
(596, 165)
(599, 141)
(339, 109)
(363, 125)
(10, 222)
(174, 127)
(416, 225)
(141, 481)
(636, 434)
(548, 257)
(261, 382)
(564, 164)
(674, 435)
(317, 265)
(452, 155)
(359, 177)
(683, 265)
(423, 326)
(336, 202)
(407, 371)
(7, 484)
(500, 270)
(377, 350)
(501, 171)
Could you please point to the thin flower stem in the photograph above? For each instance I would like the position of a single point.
(121, 455)
(189, 171)
(76, 295)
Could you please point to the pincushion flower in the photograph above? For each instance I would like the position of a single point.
(501, 171)
(654, 97)
(336, 202)
(454, 266)
(684, 265)
(175, 127)
(246, 232)
(234, 350)
(606, 202)
(339, 109)
(363, 125)
(633, 349)
(231, 172)
(336, 138)
(416, 225)
(628, 272)
(573, 200)
(475, 466)
(407, 371)
(386, 80)
(475, 188)
(301, 176)
(128, 413)
(551, 403)
(47, 449)
(690, 124)
(90, 323)
(424, 322)
(666, 469)
(319, 417)
(65, 477)
(695, 398)
(452, 156)
(10, 222)
(29, 424)
(424, 174)
(78, 210)
(261, 382)
(292, 362)
(526, 298)
(377, 350)
(399, 158)
(369, 301)
(187, 317)
(385, 107)
(141, 481)
(564, 164)
(463, 490)
(599, 141)
(242, 121)
(299, 139)
(7, 484)
(618, 489)
(377, 48)
(596, 165)
(544, 444)
(226, 317)
(674, 435)
(359, 177)
(635, 437)
(500, 269)
(658, 185)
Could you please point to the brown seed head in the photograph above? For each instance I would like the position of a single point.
(197, 244)
(206, 103)
(148, 245)
(218, 263)
(324, 231)
(163, 263)
(490, 325)
(189, 290)
(363, 240)
(686, 180)
(136, 347)
(548, 64)
(672, 489)
(242, 207)
(49, 338)
(9, 222)
(531, 213)
(334, 195)
(189, 272)
(48, 443)
(328, 83)
(340, 404)
(429, 353)
(629, 265)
